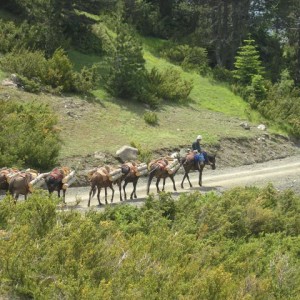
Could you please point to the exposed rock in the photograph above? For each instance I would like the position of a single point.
(245, 125)
(126, 153)
(262, 127)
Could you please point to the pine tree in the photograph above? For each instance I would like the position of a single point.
(247, 63)
(127, 66)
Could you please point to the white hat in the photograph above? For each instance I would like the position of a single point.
(199, 137)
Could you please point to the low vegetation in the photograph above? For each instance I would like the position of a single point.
(241, 245)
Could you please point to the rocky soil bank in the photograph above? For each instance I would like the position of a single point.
(229, 153)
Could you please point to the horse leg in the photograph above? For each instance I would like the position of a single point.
(200, 176)
(124, 189)
(98, 195)
(151, 175)
(120, 190)
(64, 196)
(174, 186)
(157, 184)
(184, 176)
(112, 194)
(134, 183)
(91, 194)
(164, 183)
(188, 178)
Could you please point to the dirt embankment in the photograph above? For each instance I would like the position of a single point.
(230, 152)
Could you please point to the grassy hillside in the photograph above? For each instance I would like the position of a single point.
(105, 124)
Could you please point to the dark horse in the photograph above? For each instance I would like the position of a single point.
(158, 169)
(189, 164)
(54, 180)
(130, 175)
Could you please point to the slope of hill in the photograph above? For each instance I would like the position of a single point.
(103, 124)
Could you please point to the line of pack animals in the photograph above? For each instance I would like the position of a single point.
(18, 182)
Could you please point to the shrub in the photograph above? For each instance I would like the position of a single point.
(8, 34)
(172, 87)
(150, 117)
(222, 74)
(29, 135)
(85, 80)
(59, 71)
(188, 57)
(30, 64)
(144, 155)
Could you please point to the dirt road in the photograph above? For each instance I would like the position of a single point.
(282, 173)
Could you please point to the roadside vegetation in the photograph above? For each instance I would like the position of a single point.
(241, 245)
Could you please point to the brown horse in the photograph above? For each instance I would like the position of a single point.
(5, 174)
(54, 180)
(131, 174)
(189, 164)
(159, 169)
(100, 178)
(19, 183)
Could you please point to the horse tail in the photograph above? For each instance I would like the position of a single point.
(94, 191)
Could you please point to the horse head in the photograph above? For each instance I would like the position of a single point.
(212, 161)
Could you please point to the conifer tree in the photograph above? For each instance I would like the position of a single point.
(247, 63)
(127, 65)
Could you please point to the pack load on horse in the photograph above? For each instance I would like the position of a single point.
(192, 162)
(38, 181)
(68, 180)
(5, 175)
(101, 177)
(19, 183)
(132, 172)
(54, 180)
(163, 168)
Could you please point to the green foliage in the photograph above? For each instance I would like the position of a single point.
(256, 92)
(282, 104)
(8, 34)
(241, 245)
(29, 135)
(144, 154)
(221, 74)
(30, 64)
(173, 87)
(247, 63)
(150, 117)
(190, 58)
(56, 74)
(127, 65)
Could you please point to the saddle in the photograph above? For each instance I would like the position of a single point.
(104, 172)
(131, 167)
(57, 174)
(161, 162)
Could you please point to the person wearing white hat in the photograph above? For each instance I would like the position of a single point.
(197, 147)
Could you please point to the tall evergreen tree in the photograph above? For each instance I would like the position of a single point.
(127, 65)
(247, 63)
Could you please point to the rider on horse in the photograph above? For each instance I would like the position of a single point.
(201, 156)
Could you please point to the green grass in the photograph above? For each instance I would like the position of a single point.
(106, 124)
(2, 75)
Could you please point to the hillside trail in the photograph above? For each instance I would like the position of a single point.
(282, 173)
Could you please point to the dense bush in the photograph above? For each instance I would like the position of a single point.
(29, 136)
(191, 58)
(55, 74)
(241, 245)
(150, 117)
(172, 87)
